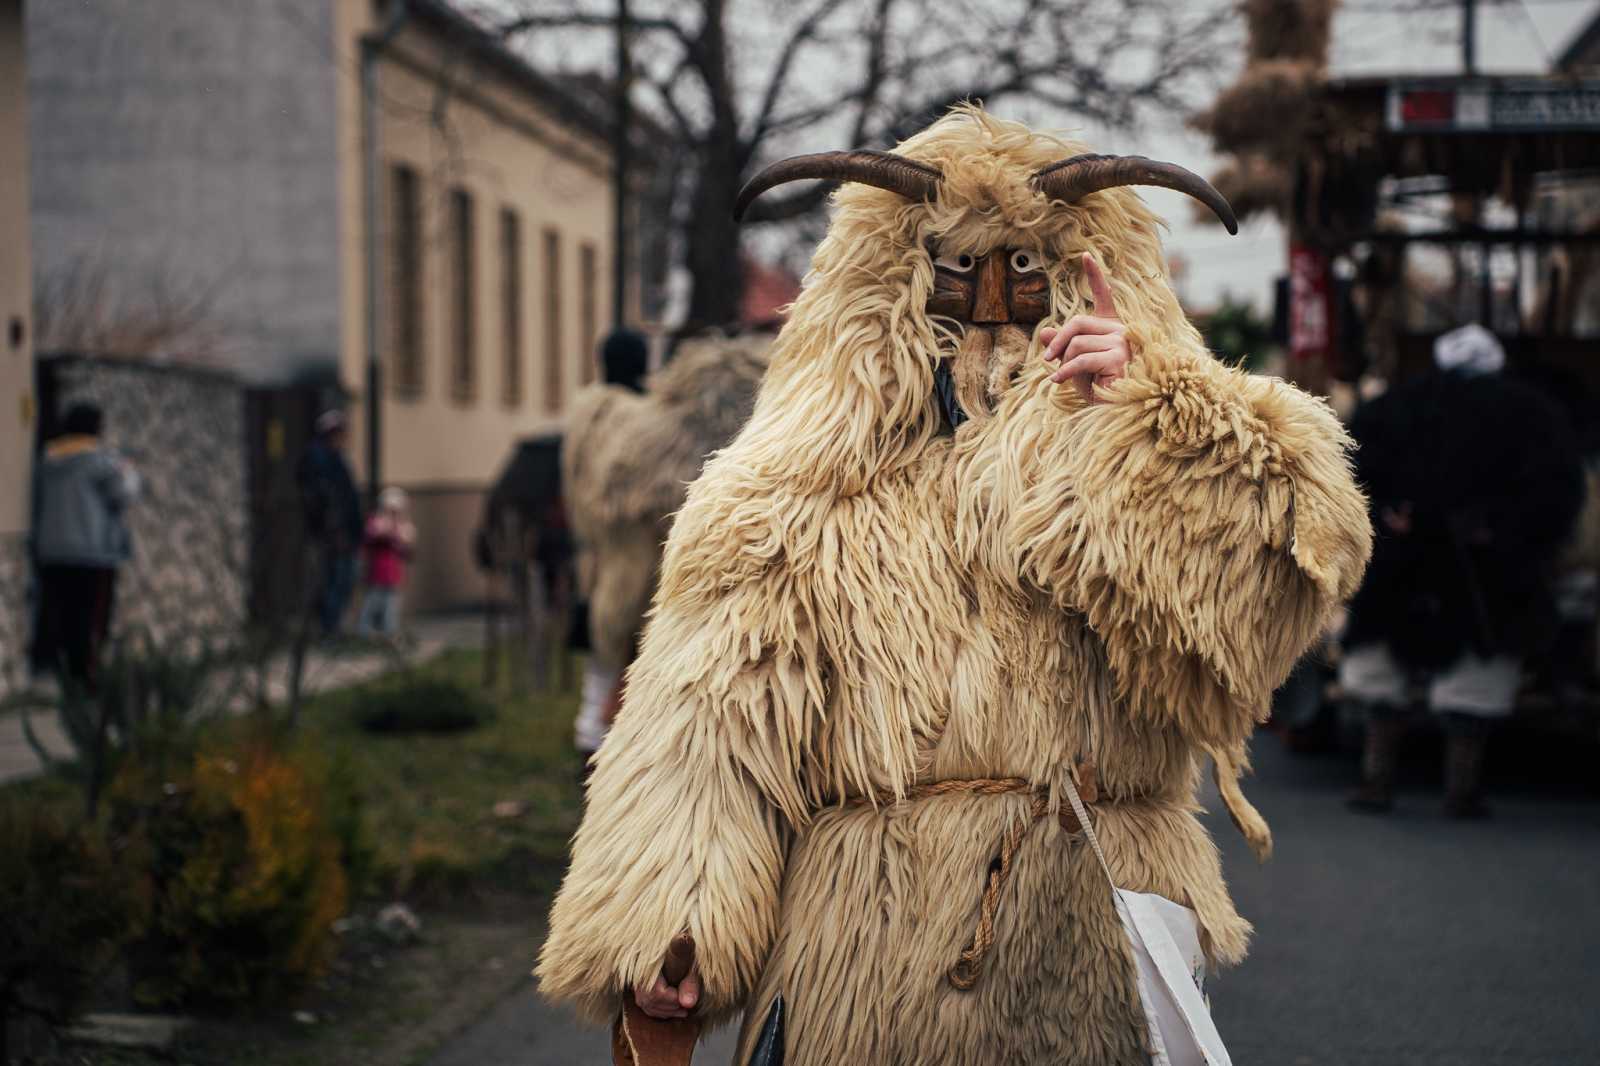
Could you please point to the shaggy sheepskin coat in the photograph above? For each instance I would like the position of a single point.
(854, 600)
(627, 459)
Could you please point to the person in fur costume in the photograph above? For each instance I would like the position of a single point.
(1476, 481)
(998, 523)
(632, 446)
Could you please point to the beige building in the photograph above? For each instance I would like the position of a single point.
(16, 345)
(353, 182)
(495, 194)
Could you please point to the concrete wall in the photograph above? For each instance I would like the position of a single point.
(16, 344)
(184, 431)
(190, 146)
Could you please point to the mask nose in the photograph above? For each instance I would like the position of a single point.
(990, 307)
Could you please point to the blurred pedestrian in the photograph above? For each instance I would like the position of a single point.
(1474, 481)
(333, 517)
(82, 491)
(387, 544)
(624, 360)
(631, 448)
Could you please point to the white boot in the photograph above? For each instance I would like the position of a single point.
(590, 727)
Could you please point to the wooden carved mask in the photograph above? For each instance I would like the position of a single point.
(1006, 287)
(997, 298)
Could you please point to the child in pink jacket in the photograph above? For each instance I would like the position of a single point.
(387, 545)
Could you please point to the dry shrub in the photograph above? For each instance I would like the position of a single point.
(80, 308)
(1289, 29)
(66, 906)
(1265, 110)
(243, 864)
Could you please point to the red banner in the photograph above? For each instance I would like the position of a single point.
(1310, 308)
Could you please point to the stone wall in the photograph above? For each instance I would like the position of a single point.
(14, 612)
(184, 431)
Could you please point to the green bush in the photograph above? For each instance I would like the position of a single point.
(345, 802)
(242, 863)
(413, 704)
(65, 910)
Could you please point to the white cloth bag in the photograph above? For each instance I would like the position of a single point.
(1165, 937)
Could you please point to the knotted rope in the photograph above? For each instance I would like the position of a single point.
(969, 965)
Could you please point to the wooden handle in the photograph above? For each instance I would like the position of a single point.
(640, 1040)
(679, 961)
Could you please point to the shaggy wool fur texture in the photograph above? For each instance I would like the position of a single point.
(627, 461)
(853, 600)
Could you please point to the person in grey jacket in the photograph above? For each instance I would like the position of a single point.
(82, 492)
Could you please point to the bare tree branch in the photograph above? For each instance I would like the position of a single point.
(578, 19)
(803, 33)
(665, 89)
(872, 72)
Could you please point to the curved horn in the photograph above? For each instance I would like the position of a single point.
(1072, 179)
(913, 180)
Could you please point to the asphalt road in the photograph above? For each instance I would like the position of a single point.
(1379, 941)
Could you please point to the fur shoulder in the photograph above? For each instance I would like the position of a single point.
(629, 458)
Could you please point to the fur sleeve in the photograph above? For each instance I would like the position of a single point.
(693, 792)
(1204, 521)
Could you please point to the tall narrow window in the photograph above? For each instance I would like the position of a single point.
(588, 316)
(511, 305)
(405, 282)
(463, 319)
(554, 356)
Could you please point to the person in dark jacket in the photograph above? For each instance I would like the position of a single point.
(1474, 480)
(82, 491)
(333, 517)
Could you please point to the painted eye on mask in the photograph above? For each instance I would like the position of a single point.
(961, 262)
(1026, 261)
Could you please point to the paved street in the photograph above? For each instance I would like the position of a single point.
(1380, 942)
(1413, 939)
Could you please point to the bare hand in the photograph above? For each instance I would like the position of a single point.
(662, 1000)
(1093, 348)
(1398, 518)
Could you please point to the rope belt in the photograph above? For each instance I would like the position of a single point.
(969, 966)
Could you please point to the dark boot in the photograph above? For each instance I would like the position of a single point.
(1466, 739)
(1380, 755)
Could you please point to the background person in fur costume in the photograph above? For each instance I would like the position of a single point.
(1476, 481)
(998, 518)
(631, 447)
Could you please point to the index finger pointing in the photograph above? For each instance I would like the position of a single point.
(1104, 305)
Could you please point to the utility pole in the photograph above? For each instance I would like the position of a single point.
(621, 173)
(1469, 37)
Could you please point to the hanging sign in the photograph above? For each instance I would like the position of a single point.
(1310, 310)
(1517, 106)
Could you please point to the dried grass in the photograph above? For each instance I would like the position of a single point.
(1253, 184)
(80, 309)
(1266, 110)
(1289, 29)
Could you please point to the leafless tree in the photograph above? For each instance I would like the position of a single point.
(734, 86)
(80, 308)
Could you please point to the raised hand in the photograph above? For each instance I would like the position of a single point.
(1092, 349)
